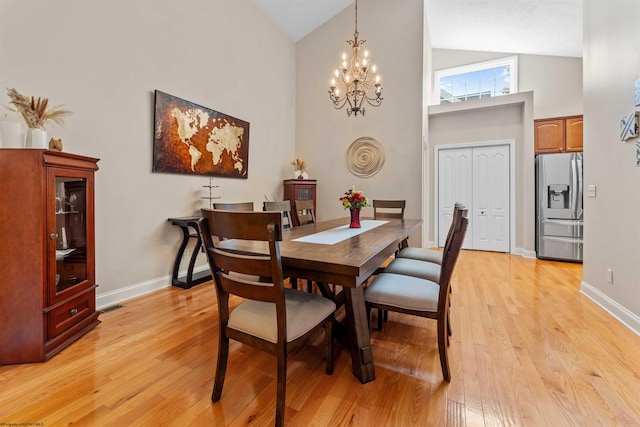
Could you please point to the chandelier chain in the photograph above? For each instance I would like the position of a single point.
(355, 34)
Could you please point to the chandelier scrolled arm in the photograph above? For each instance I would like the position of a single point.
(355, 80)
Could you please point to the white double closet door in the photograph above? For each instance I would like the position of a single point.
(479, 177)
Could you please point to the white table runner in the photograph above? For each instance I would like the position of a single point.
(338, 234)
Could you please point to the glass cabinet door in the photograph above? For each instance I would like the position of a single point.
(70, 232)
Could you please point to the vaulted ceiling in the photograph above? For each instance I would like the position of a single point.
(537, 27)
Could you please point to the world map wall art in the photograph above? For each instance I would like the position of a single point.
(195, 140)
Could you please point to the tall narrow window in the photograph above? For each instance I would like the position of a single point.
(474, 81)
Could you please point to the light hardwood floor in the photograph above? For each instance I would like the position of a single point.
(527, 350)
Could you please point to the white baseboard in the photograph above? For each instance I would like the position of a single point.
(118, 296)
(626, 317)
(517, 251)
(524, 253)
(124, 294)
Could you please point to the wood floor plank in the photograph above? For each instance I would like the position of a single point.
(528, 349)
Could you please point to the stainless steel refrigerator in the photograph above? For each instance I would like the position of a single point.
(559, 214)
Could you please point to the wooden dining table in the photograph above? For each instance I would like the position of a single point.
(347, 263)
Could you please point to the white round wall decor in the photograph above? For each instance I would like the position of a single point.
(365, 157)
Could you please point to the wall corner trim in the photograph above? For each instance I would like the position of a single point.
(627, 318)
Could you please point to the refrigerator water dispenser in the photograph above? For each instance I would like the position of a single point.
(558, 196)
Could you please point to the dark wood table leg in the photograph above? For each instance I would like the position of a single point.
(358, 331)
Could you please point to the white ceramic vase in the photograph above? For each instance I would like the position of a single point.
(37, 138)
(297, 174)
(14, 134)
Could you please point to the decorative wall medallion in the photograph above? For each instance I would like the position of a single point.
(365, 157)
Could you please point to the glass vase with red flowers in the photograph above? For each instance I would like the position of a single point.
(354, 200)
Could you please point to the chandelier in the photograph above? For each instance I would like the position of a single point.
(354, 80)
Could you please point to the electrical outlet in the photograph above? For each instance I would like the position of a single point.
(609, 275)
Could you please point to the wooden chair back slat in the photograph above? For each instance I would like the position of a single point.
(305, 212)
(241, 206)
(242, 224)
(388, 209)
(284, 207)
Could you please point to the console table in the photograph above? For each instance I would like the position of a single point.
(190, 279)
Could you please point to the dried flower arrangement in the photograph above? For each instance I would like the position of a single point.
(300, 165)
(36, 111)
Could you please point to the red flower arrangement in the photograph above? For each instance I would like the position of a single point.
(354, 199)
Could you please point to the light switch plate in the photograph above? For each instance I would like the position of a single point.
(591, 190)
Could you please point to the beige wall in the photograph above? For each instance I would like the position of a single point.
(488, 120)
(393, 31)
(612, 228)
(548, 87)
(556, 81)
(103, 59)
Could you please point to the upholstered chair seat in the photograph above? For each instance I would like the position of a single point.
(421, 254)
(304, 312)
(405, 292)
(415, 268)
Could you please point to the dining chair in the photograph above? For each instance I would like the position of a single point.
(422, 268)
(430, 255)
(270, 317)
(241, 206)
(388, 208)
(305, 214)
(305, 211)
(421, 297)
(284, 207)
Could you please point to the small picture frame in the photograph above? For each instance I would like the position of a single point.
(629, 126)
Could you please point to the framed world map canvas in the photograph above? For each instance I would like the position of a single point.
(192, 139)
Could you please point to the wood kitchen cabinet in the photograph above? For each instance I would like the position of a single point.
(558, 135)
(47, 247)
(299, 189)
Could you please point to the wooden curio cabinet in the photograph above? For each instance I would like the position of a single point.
(299, 189)
(47, 246)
